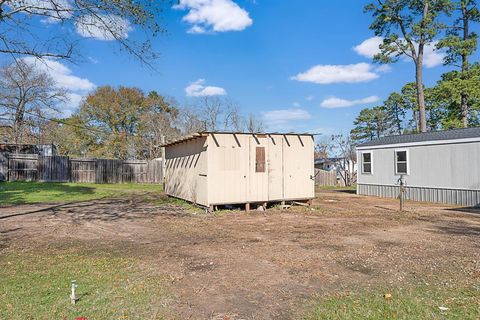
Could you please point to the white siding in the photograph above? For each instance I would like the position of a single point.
(470, 198)
(449, 166)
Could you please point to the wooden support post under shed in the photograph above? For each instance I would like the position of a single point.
(247, 207)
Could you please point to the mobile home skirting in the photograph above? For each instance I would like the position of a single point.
(460, 197)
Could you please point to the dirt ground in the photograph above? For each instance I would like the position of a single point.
(263, 265)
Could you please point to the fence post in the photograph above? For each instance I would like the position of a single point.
(3, 166)
(163, 159)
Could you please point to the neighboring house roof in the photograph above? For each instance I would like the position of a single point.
(420, 138)
(328, 160)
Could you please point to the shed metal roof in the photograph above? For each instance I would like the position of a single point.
(206, 133)
(454, 134)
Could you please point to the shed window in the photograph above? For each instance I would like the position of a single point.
(366, 162)
(401, 162)
(260, 159)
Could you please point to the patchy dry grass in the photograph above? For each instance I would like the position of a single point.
(36, 285)
(413, 302)
(53, 192)
(337, 188)
(144, 256)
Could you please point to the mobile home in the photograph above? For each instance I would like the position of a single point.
(224, 168)
(441, 166)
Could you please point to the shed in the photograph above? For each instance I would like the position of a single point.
(224, 168)
(440, 166)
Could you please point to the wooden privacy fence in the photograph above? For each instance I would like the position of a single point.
(28, 167)
(327, 178)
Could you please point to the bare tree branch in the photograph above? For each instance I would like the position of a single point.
(99, 19)
(24, 90)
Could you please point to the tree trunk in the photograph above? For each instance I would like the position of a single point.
(397, 119)
(465, 110)
(420, 90)
(417, 122)
(18, 122)
(419, 74)
(465, 65)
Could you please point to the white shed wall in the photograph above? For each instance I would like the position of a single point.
(299, 172)
(232, 176)
(186, 169)
(228, 156)
(220, 169)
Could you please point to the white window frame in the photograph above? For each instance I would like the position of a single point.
(407, 162)
(371, 162)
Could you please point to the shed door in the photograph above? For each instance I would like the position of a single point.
(275, 168)
(298, 167)
(258, 178)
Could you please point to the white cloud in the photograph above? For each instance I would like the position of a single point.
(310, 98)
(282, 118)
(93, 60)
(103, 27)
(335, 102)
(77, 87)
(197, 89)
(326, 74)
(370, 47)
(433, 57)
(56, 10)
(61, 74)
(72, 103)
(100, 26)
(296, 104)
(214, 15)
(196, 30)
(384, 68)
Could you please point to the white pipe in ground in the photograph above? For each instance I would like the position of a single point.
(73, 297)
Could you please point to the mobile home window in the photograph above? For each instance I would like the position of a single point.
(401, 162)
(366, 162)
(260, 159)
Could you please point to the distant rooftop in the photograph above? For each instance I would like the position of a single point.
(325, 160)
(453, 134)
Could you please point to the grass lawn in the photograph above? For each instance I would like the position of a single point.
(352, 187)
(52, 192)
(36, 285)
(413, 302)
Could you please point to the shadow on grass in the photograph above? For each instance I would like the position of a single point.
(474, 210)
(106, 209)
(6, 236)
(22, 192)
(80, 203)
(459, 229)
(350, 191)
(120, 210)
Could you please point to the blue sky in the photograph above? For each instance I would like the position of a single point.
(294, 64)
